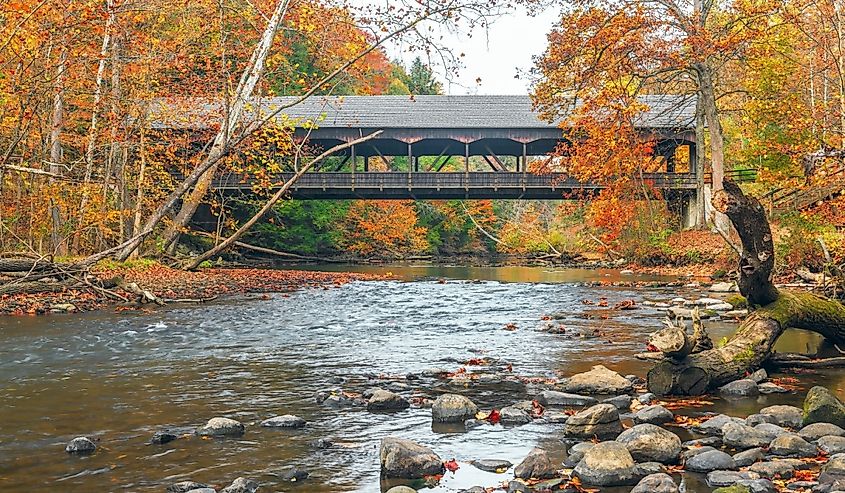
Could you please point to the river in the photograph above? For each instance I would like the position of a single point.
(119, 377)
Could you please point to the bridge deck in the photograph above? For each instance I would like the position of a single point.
(444, 185)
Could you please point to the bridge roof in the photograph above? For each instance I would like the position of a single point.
(424, 112)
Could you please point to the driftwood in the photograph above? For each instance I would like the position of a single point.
(773, 312)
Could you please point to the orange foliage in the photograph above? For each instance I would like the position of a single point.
(383, 226)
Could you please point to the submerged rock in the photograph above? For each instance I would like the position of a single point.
(385, 400)
(712, 460)
(80, 446)
(601, 420)
(218, 427)
(405, 459)
(185, 486)
(535, 465)
(648, 442)
(492, 465)
(553, 398)
(291, 474)
(599, 380)
(607, 464)
(821, 406)
(656, 483)
(453, 408)
(285, 421)
(162, 437)
(241, 485)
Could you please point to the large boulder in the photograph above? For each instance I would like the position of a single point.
(385, 400)
(651, 443)
(821, 406)
(792, 445)
(787, 416)
(406, 459)
(80, 446)
(553, 398)
(599, 380)
(711, 460)
(656, 483)
(536, 465)
(221, 427)
(742, 436)
(453, 408)
(601, 420)
(656, 415)
(607, 464)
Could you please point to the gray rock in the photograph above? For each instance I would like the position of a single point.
(814, 431)
(655, 415)
(788, 416)
(831, 444)
(401, 489)
(576, 453)
(651, 443)
(771, 388)
(535, 465)
(821, 406)
(758, 419)
(601, 420)
(692, 452)
(453, 408)
(241, 485)
(321, 443)
(759, 376)
(185, 486)
(802, 485)
(770, 430)
(599, 380)
(712, 460)
(80, 446)
(622, 402)
(740, 388)
(492, 465)
(291, 474)
(723, 287)
(713, 441)
(792, 445)
(162, 437)
(553, 398)
(773, 469)
(647, 468)
(607, 464)
(727, 478)
(656, 483)
(385, 400)
(203, 490)
(758, 485)
(714, 425)
(742, 436)
(748, 457)
(511, 415)
(285, 421)
(220, 427)
(647, 398)
(406, 459)
(555, 417)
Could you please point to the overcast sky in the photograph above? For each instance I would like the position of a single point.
(495, 56)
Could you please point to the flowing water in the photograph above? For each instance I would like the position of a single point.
(118, 377)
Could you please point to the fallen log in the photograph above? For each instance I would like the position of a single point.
(774, 311)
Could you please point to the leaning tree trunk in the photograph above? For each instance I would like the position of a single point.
(774, 311)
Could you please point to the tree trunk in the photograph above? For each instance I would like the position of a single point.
(58, 245)
(752, 344)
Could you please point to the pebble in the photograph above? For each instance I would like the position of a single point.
(80, 445)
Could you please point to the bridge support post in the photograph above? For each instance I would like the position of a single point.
(684, 208)
(353, 165)
(466, 166)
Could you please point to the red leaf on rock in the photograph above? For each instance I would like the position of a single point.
(494, 417)
(451, 465)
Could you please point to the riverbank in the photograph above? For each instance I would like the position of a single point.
(174, 285)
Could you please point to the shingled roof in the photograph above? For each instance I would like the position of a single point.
(398, 112)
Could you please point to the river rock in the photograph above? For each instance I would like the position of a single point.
(761, 485)
(742, 436)
(692, 452)
(452, 408)
(648, 442)
(607, 464)
(401, 489)
(511, 415)
(162, 437)
(788, 416)
(758, 419)
(285, 421)
(711, 460)
(831, 444)
(553, 398)
(740, 388)
(185, 486)
(714, 425)
(599, 380)
(773, 469)
(656, 483)
(622, 402)
(821, 406)
(291, 474)
(80, 446)
(492, 465)
(813, 432)
(759, 376)
(401, 458)
(241, 485)
(771, 430)
(385, 400)
(750, 456)
(647, 398)
(771, 388)
(601, 420)
(220, 427)
(723, 287)
(792, 445)
(655, 415)
(535, 465)
(727, 478)
(649, 468)
(708, 302)
(576, 453)
(834, 470)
